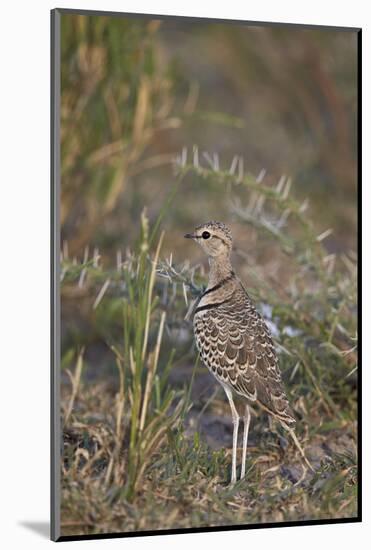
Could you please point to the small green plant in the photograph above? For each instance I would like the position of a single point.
(150, 399)
(146, 405)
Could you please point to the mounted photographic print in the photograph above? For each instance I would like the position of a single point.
(205, 183)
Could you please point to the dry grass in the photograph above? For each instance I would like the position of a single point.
(186, 483)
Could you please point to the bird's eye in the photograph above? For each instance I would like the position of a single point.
(205, 235)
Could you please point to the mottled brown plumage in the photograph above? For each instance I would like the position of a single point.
(233, 339)
(235, 344)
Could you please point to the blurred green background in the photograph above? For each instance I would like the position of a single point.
(136, 91)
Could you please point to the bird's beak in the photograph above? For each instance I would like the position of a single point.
(189, 236)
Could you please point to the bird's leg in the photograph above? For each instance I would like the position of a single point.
(246, 424)
(236, 420)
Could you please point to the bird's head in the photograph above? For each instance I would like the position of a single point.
(214, 237)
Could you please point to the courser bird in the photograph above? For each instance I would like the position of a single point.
(234, 341)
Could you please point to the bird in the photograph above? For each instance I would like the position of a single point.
(235, 343)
